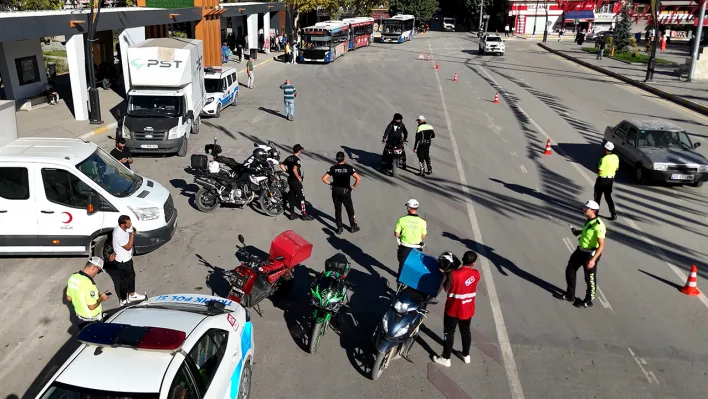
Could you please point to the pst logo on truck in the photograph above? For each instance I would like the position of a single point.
(154, 63)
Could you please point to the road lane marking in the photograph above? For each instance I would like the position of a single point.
(600, 295)
(512, 373)
(523, 169)
(649, 375)
(682, 276)
(513, 154)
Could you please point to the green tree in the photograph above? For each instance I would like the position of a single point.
(423, 10)
(623, 29)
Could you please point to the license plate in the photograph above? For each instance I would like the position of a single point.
(681, 177)
(150, 146)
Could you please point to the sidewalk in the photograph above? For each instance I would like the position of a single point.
(58, 120)
(692, 95)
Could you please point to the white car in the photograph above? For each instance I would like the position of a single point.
(221, 86)
(170, 346)
(492, 44)
(448, 24)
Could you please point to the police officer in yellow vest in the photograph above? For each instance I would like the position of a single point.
(81, 291)
(410, 231)
(590, 246)
(606, 171)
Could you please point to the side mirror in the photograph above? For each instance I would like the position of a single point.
(190, 114)
(696, 145)
(280, 258)
(255, 144)
(241, 239)
(92, 206)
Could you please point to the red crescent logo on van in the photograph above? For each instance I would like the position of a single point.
(70, 218)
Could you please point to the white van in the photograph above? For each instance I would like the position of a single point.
(221, 87)
(64, 196)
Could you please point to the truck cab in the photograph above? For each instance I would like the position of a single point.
(166, 95)
(448, 24)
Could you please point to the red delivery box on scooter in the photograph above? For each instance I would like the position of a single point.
(420, 272)
(292, 247)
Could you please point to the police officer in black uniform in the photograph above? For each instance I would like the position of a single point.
(293, 167)
(342, 191)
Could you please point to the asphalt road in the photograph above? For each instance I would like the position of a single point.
(493, 191)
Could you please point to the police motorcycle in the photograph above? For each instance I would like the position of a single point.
(226, 181)
(400, 325)
(393, 157)
(274, 162)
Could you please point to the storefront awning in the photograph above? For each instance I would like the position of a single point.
(695, 22)
(584, 15)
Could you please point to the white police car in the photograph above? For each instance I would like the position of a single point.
(221, 86)
(179, 346)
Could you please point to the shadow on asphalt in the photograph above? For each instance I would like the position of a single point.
(272, 112)
(357, 255)
(295, 304)
(188, 190)
(667, 282)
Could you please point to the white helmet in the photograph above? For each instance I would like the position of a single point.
(609, 146)
(213, 167)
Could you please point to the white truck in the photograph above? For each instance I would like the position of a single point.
(166, 95)
(61, 196)
(448, 24)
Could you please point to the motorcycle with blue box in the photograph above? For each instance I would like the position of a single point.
(420, 281)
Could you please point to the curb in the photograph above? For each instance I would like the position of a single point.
(651, 89)
(99, 130)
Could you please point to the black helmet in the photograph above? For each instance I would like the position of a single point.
(397, 117)
(448, 262)
(260, 154)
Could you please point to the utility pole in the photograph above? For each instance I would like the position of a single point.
(652, 59)
(535, 18)
(545, 26)
(697, 41)
(94, 103)
(481, 12)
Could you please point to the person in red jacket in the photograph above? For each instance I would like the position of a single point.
(461, 287)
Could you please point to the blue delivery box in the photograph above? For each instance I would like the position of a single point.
(420, 272)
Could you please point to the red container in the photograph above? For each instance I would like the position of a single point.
(292, 247)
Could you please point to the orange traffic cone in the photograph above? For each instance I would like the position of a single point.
(437, 65)
(548, 148)
(496, 98)
(428, 59)
(691, 287)
(420, 57)
(454, 78)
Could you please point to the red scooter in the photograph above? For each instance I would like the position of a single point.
(256, 279)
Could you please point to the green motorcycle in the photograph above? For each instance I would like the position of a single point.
(329, 293)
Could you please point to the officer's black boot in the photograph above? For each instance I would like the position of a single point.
(430, 168)
(422, 168)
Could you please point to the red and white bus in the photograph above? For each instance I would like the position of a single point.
(361, 31)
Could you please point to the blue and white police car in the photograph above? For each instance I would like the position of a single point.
(221, 87)
(180, 346)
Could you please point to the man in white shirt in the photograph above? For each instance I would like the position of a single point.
(123, 238)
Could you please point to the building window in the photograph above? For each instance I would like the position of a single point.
(27, 70)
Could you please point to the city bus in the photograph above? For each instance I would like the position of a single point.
(324, 42)
(361, 31)
(398, 29)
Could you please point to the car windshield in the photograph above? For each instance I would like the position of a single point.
(494, 39)
(317, 42)
(212, 85)
(392, 27)
(64, 391)
(449, 20)
(110, 174)
(664, 139)
(166, 106)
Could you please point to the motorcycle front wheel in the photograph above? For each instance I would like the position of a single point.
(318, 330)
(206, 200)
(272, 203)
(282, 182)
(394, 166)
(380, 364)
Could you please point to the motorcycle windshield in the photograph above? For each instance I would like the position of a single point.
(328, 291)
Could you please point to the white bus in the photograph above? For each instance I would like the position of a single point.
(324, 42)
(398, 29)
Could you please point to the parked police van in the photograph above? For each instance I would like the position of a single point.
(64, 196)
(221, 86)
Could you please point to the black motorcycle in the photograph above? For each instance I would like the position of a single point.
(238, 186)
(393, 158)
(396, 333)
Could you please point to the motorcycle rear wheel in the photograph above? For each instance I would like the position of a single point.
(272, 204)
(206, 200)
(394, 166)
(318, 330)
(379, 364)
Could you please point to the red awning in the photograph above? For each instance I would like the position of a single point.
(695, 22)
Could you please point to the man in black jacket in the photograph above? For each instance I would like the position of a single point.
(394, 136)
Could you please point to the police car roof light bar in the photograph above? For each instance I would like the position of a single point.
(124, 335)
